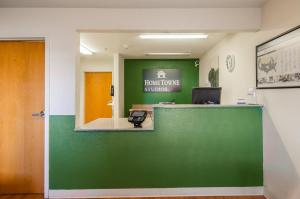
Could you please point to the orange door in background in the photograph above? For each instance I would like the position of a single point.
(97, 95)
(21, 134)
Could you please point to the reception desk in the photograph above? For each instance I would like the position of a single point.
(189, 146)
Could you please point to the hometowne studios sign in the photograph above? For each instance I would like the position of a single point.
(162, 80)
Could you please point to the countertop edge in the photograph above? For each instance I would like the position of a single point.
(207, 106)
(78, 130)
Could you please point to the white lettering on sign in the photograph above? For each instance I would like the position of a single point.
(162, 80)
(162, 83)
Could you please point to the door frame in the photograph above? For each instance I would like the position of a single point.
(46, 102)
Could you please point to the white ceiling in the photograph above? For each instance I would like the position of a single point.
(134, 3)
(106, 44)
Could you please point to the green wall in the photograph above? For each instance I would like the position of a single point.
(133, 78)
(199, 147)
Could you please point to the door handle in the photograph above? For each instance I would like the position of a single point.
(112, 91)
(40, 114)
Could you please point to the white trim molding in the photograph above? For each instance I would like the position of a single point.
(47, 117)
(156, 192)
(268, 194)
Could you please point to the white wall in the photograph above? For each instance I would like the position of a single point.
(121, 87)
(118, 82)
(282, 107)
(95, 62)
(60, 26)
(235, 84)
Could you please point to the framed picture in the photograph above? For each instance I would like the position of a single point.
(278, 61)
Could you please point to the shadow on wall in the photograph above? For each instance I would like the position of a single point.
(285, 185)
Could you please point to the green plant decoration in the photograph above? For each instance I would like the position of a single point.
(213, 77)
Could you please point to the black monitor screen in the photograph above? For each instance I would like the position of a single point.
(206, 95)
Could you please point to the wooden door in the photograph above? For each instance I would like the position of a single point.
(21, 135)
(97, 95)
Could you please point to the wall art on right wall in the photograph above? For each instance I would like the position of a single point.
(278, 61)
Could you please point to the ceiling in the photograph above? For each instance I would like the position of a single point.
(134, 3)
(129, 45)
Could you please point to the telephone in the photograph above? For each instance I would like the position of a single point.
(137, 118)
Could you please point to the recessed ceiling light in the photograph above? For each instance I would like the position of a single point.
(85, 50)
(169, 54)
(173, 36)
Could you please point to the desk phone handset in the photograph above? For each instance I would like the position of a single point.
(137, 118)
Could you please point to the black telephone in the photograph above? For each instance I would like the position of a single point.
(137, 118)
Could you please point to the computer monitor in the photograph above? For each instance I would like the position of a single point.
(206, 95)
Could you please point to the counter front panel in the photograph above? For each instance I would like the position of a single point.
(189, 147)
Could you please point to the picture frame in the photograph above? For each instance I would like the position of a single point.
(278, 61)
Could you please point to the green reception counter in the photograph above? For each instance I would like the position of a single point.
(190, 146)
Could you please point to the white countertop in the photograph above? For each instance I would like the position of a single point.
(120, 124)
(205, 105)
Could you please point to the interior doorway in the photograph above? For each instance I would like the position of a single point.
(98, 99)
(22, 88)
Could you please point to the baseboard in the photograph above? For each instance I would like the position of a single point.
(267, 194)
(156, 192)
